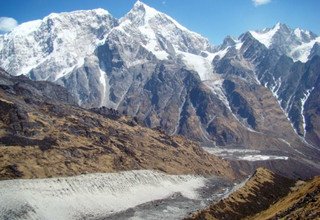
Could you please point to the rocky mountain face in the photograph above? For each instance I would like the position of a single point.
(279, 198)
(246, 93)
(45, 134)
(253, 57)
(291, 82)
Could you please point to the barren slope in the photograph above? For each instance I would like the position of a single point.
(302, 203)
(261, 190)
(268, 196)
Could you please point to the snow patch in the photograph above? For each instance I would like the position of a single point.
(103, 81)
(262, 157)
(226, 151)
(275, 88)
(239, 45)
(243, 154)
(303, 102)
(179, 117)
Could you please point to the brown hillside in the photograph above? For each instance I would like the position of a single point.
(302, 203)
(258, 193)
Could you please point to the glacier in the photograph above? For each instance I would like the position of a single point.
(91, 195)
(243, 154)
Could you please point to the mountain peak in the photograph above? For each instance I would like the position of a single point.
(227, 42)
(279, 25)
(266, 35)
(141, 13)
(282, 27)
(139, 4)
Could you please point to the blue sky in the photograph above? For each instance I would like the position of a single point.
(213, 19)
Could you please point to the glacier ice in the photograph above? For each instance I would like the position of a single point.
(90, 195)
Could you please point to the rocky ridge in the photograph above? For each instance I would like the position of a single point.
(303, 202)
(266, 195)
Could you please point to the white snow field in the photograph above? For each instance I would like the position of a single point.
(92, 195)
(243, 154)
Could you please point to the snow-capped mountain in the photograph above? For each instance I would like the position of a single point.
(167, 39)
(295, 43)
(50, 48)
(268, 57)
(153, 26)
(148, 65)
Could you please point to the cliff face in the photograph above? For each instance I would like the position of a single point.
(43, 133)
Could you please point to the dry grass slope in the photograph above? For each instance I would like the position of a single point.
(268, 196)
(303, 202)
(258, 193)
